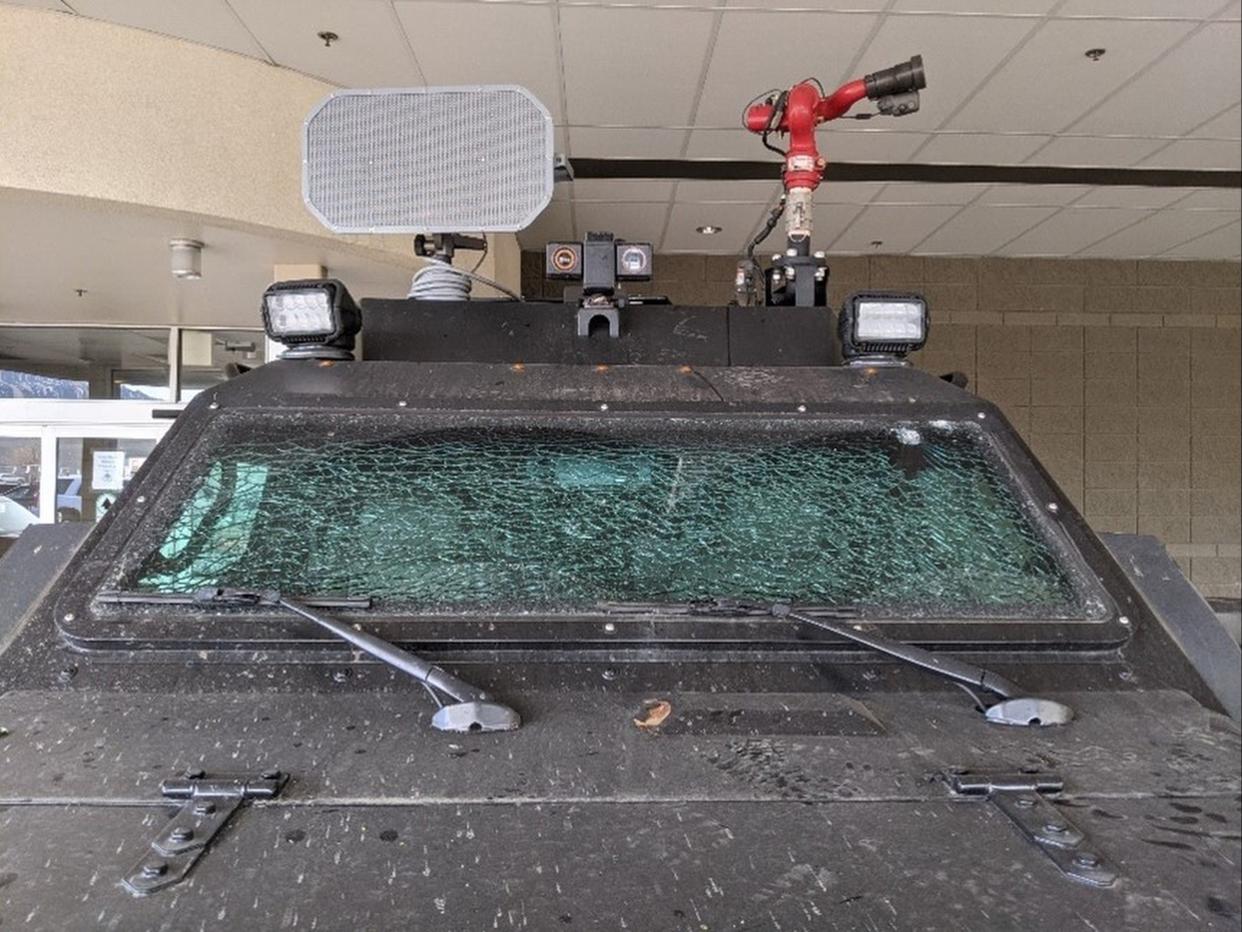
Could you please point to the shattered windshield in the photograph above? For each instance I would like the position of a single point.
(908, 521)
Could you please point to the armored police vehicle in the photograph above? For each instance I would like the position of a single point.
(603, 613)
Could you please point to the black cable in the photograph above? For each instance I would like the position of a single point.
(768, 227)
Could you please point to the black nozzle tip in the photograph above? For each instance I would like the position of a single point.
(917, 74)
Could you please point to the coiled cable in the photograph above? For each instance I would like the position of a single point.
(440, 281)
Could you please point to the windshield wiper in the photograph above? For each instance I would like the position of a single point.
(1014, 708)
(474, 709)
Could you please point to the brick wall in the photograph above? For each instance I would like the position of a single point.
(1125, 377)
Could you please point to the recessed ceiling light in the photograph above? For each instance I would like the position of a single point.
(328, 37)
(1095, 54)
(709, 229)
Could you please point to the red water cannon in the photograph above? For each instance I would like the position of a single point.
(797, 112)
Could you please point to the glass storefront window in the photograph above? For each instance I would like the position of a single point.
(20, 476)
(91, 471)
(84, 362)
(208, 357)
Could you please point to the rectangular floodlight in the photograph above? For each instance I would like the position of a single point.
(428, 160)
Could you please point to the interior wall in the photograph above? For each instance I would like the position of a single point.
(1125, 377)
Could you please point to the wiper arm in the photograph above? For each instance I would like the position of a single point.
(474, 709)
(1013, 709)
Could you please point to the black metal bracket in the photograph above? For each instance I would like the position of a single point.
(209, 802)
(1023, 797)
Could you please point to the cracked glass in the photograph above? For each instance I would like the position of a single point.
(909, 521)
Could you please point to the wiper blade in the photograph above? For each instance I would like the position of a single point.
(721, 607)
(1014, 709)
(474, 709)
(128, 597)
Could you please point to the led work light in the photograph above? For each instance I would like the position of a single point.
(315, 318)
(882, 323)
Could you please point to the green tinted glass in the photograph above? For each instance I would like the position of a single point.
(914, 522)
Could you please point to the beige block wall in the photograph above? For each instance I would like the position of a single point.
(1125, 377)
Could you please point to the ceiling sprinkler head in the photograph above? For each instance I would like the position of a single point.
(709, 229)
(1095, 54)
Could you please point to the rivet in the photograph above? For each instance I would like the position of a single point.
(802, 409)
(68, 616)
(981, 415)
(402, 403)
(141, 499)
(340, 676)
(610, 627)
(1054, 507)
(604, 406)
(214, 405)
(609, 674)
(67, 673)
(1123, 620)
(1025, 802)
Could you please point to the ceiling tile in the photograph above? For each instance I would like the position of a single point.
(1033, 194)
(1067, 232)
(369, 53)
(1213, 199)
(1012, 7)
(978, 231)
(1131, 196)
(1221, 244)
(848, 192)
(740, 192)
(728, 144)
(912, 193)
(979, 149)
(555, 223)
(643, 223)
(1184, 9)
(1226, 126)
(869, 145)
(898, 229)
(1198, 153)
(647, 72)
(1158, 233)
(54, 5)
(801, 44)
(952, 76)
(1192, 84)
(1049, 82)
(208, 22)
(737, 224)
(1095, 151)
(814, 6)
(620, 143)
(620, 191)
(493, 43)
(831, 220)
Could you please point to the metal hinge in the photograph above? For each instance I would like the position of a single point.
(1024, 798)
(209, 802)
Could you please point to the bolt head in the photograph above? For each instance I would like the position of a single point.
(182, 833)
(195, 773)
(154, 869)
(1087, 859)
(272, 773)
(1025, 802)
(1056, 828)
(203, 809)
